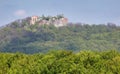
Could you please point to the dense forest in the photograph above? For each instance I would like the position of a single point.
(61, 62)
(22, 37)
(72, 49)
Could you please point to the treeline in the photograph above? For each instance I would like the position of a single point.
(61, 62)
(22, 37)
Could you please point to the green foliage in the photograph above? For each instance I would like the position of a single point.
(22, 37)
(61, 62)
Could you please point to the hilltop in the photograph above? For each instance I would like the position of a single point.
(57, 21)
(33, 35)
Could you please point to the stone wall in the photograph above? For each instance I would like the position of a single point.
(56, 21)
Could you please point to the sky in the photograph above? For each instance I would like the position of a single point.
(84, 11)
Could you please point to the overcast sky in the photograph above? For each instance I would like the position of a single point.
(85, 11)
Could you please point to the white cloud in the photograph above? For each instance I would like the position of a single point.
(20, 13)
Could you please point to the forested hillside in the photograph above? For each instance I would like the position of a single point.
(61, 62)
(22, 37)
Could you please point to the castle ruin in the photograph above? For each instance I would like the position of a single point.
(57, 21)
